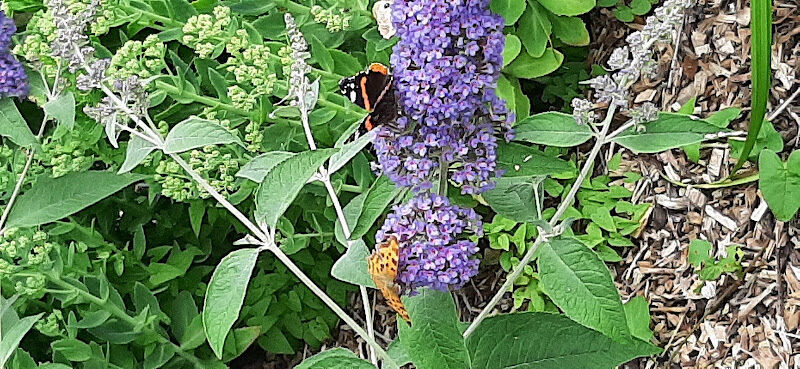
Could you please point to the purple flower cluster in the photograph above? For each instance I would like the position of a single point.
(445, 67)
(434, 250)
(412, 157)
(13, 80)
(448, 58)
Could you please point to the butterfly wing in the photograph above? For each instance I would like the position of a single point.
(367, 88)
(383, 265)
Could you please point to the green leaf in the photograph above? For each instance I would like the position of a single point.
(351, 213)
(520, 160)
(526, 66)
(352, 266)
(624, 13)
(534, 31)
(51, 199)
(13, 335)
(607, 254)
(13, 126)
(36, 84)
(379, 196)
(602, 217)
(321, 54)
(780, 183)
(219, 83)
(512, 49)
(282, 184)
(197, 210)
(62, 109)
(505, 91)
(768, 138)
(239, 340)
(258, 168)
(724, 117)
(522, 104)
(568, 7)
(160, 355)
(669, 131)
(398, 352)
(688, 107)
(640, 7)
(225, 295)
(760, 54)
(195, 132)
(571, 30)
(699, 252)
(135, 153)
(348, 151)
(546, 341)
(510, 10)
(552, 129)
(182, 10)
(514, 198)
(22, 360)
(434, 340)
(72, 349)
(336, 358)
(579, 283)
(637, 313)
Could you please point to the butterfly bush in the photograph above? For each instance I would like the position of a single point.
(629, 63)
(445, 66)
(434, 249)
(13, 80)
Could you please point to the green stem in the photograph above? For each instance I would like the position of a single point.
(152, 16)
(601, 139)
(293, 7)
(205, 100)
(343, 187)
(444, 167)
(721, 184)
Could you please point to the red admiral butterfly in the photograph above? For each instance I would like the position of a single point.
(372, 90)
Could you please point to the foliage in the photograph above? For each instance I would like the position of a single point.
(537, 32)
(760, 54)
(626, 11)
(707, 266)
(245, 178)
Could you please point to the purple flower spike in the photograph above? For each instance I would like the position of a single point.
(445, 66)
(13, 80)
(7, 29)
(434, 249)
(449, 54)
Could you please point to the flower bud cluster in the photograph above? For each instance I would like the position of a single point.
(207, 32)
(334, 20)
(140, 58)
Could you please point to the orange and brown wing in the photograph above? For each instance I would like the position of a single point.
(383, 265)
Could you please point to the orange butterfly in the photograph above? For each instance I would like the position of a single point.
(383, 265)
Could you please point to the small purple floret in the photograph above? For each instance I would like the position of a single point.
(434, 249)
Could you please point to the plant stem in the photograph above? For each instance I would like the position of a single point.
(268, 244)
(337, 206)
(601, 140)
(21, 180)
(152, 16)
(265, 240)
(444, 166)
(205, 100)
(344, 187)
